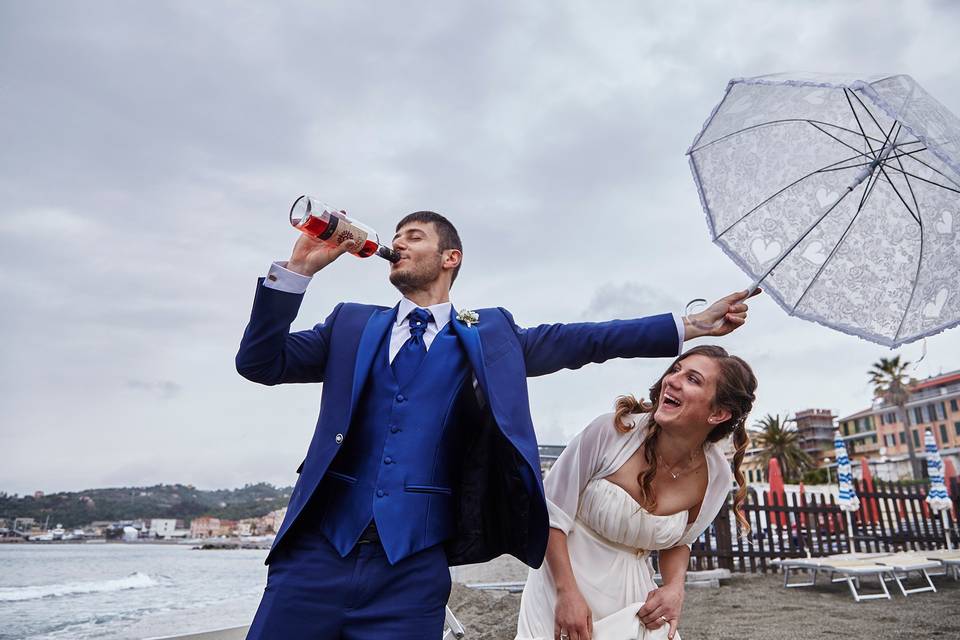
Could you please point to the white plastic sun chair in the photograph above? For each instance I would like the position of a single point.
(903, 564)
(843, 568)
(949, 558)
(823, 564)
(850, 571)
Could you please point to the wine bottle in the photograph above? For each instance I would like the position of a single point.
(333, 227)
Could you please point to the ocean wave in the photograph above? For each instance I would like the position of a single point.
(135, 580)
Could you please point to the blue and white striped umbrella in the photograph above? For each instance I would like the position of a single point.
(847, 500)
(937, 497)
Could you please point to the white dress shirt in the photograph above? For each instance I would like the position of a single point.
(282, 279)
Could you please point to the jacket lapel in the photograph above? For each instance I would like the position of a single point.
(470, 339)
(379, 324)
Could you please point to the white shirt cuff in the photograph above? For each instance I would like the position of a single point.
(681, 334)
(282, 279)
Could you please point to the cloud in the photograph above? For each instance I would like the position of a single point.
(151, 153)
(165, 389)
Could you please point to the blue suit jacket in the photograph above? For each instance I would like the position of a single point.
(501, 503)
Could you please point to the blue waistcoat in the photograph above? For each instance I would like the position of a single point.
(400, 461)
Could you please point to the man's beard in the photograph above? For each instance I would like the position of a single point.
(417, 278)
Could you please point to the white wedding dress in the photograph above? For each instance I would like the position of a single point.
(609, 536)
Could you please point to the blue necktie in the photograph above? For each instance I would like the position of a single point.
(411, 354)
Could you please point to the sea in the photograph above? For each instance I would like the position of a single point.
(125, 590)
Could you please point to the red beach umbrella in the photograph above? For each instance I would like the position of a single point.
(803, 502)
(777, 497)
(949, 472)
(869, 510)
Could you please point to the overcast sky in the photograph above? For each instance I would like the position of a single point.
(150, 152)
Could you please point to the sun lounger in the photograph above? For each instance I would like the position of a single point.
(903, 564)
(818, 565)
(847, 568)
(949, 558)
(850, 571)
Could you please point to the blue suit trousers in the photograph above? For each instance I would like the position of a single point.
(312, 592)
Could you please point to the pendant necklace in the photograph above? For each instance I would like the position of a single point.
(670, 468)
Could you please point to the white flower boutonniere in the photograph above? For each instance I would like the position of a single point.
(468, 317)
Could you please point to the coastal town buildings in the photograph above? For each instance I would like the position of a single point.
(271, 522)
(815, 428)
(204, 527)
(877, 434)
(162, 527)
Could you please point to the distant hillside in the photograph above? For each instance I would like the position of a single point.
(160, 501)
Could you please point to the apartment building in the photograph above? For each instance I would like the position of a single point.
(933, 404)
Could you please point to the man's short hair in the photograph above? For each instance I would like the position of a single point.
(449, 238)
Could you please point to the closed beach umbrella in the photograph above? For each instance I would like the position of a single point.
(937, 496)
(842, 196)
(847, 497)
(777, 495)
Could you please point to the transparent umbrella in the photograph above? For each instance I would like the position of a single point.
(842, 196)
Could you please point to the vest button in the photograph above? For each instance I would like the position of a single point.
(339, 438)
(380, 493)
(394, 429)
(401, 397)
(387, 460)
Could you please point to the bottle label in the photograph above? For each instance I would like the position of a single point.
(332, 225)
(346, 231)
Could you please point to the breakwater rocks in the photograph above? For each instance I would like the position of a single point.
(232, 544)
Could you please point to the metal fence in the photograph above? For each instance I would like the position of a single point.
(892, 517)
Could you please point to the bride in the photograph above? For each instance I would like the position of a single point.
(646, 477)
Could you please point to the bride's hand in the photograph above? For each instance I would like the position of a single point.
(572, 618)
(663, 605)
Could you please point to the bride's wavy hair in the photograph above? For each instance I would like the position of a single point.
(736, 387)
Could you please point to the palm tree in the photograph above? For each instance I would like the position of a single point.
(777, 440)
(891, 384)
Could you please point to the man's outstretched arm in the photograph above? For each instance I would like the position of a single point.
(549, 348)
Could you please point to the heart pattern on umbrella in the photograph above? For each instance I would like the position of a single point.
(814, 252)
(945, 223)
(765, 251)
(933, 308)
(826, 198)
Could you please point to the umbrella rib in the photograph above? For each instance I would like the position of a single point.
(936, 171)
(866, 193)
(846, 144)
(906, 179)
(916, 177)
(916, 217)
(869, 113)
(863, 164)
(792, 184)
(916, 278)
(783, 121)
(846, 93)
(883, 170)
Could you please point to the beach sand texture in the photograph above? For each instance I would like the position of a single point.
(745, 607)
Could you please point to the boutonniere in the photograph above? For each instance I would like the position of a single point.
(468, 317)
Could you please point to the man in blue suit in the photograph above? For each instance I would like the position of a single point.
(424, 453)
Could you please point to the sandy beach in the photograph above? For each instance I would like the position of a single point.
(745, 607)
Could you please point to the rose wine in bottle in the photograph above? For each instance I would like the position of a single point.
(332, 226)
